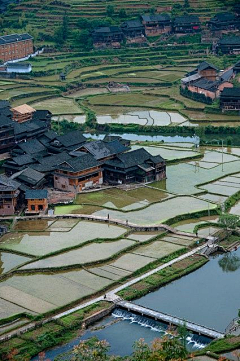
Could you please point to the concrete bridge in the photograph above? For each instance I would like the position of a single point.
(159, 316)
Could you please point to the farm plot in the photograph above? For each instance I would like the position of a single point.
(10, 260)
(143, 237)
(159, 212)
(190, 224)
(109, 272)
(58, 105)
(179, 240)
(33, 225)
(217, 188)
(10, 308)
(236, 209)
(189, 177)
(121, 199)
(213, 198)
(158, 249)
(168, 154)
(41, 243)
(217, 157)
(41, 293)
(11, 93)
(132, 262)
(87, 254)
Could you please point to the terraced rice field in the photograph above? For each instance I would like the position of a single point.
(58, 237)
(159, 212)
(58, 106)
(84, 255)
(9, 261)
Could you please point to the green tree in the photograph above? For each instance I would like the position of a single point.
(228, 221)
(110, 10)
(122, 13)
(229, 263)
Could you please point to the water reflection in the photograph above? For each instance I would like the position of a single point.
(229, 263)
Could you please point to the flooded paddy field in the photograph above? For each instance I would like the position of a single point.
(160, 212)
(58, 237)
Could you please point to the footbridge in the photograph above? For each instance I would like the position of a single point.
(159, 316)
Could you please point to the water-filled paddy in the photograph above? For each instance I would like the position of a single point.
(40, 243)
(143, 117)
(157, 249)
(10, 260)
(86, 254)
(188, 177)
(159, 212)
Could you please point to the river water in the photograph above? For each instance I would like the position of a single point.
(208, 296)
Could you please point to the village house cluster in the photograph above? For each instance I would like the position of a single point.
(209, 81)
(136, 31)
(40, 158)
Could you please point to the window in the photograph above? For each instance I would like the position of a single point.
(63, 186)
(32, 207)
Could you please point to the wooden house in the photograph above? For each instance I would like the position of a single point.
(9, 195)
(134, 166)
(107, 36)
(37, 201)
(230, 99)
(133, 29)
(209, 88)
(187, 24)
(207, 71)
(156, 24)
(229, 45)
(22, 113)
(78, 174)
(223, 21)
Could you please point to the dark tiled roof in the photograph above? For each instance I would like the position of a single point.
(36, 194)
(4, 104)
(20, 128)
(78, 164)
(132, 24)
(100, 149)
(14, 38)
(50, 163)
(156, 18)
(107, 30)
(5, 121)
(230, 40)
(237, 65)
(227, 75)
(205, 65)
(223, 17)
(23, 159)
(8, 184)
(32, 146)
(41, 115)
(186, 19)
(30, 176)
(203, 83)
(133, 159)
(71, 139)
(231, 92)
